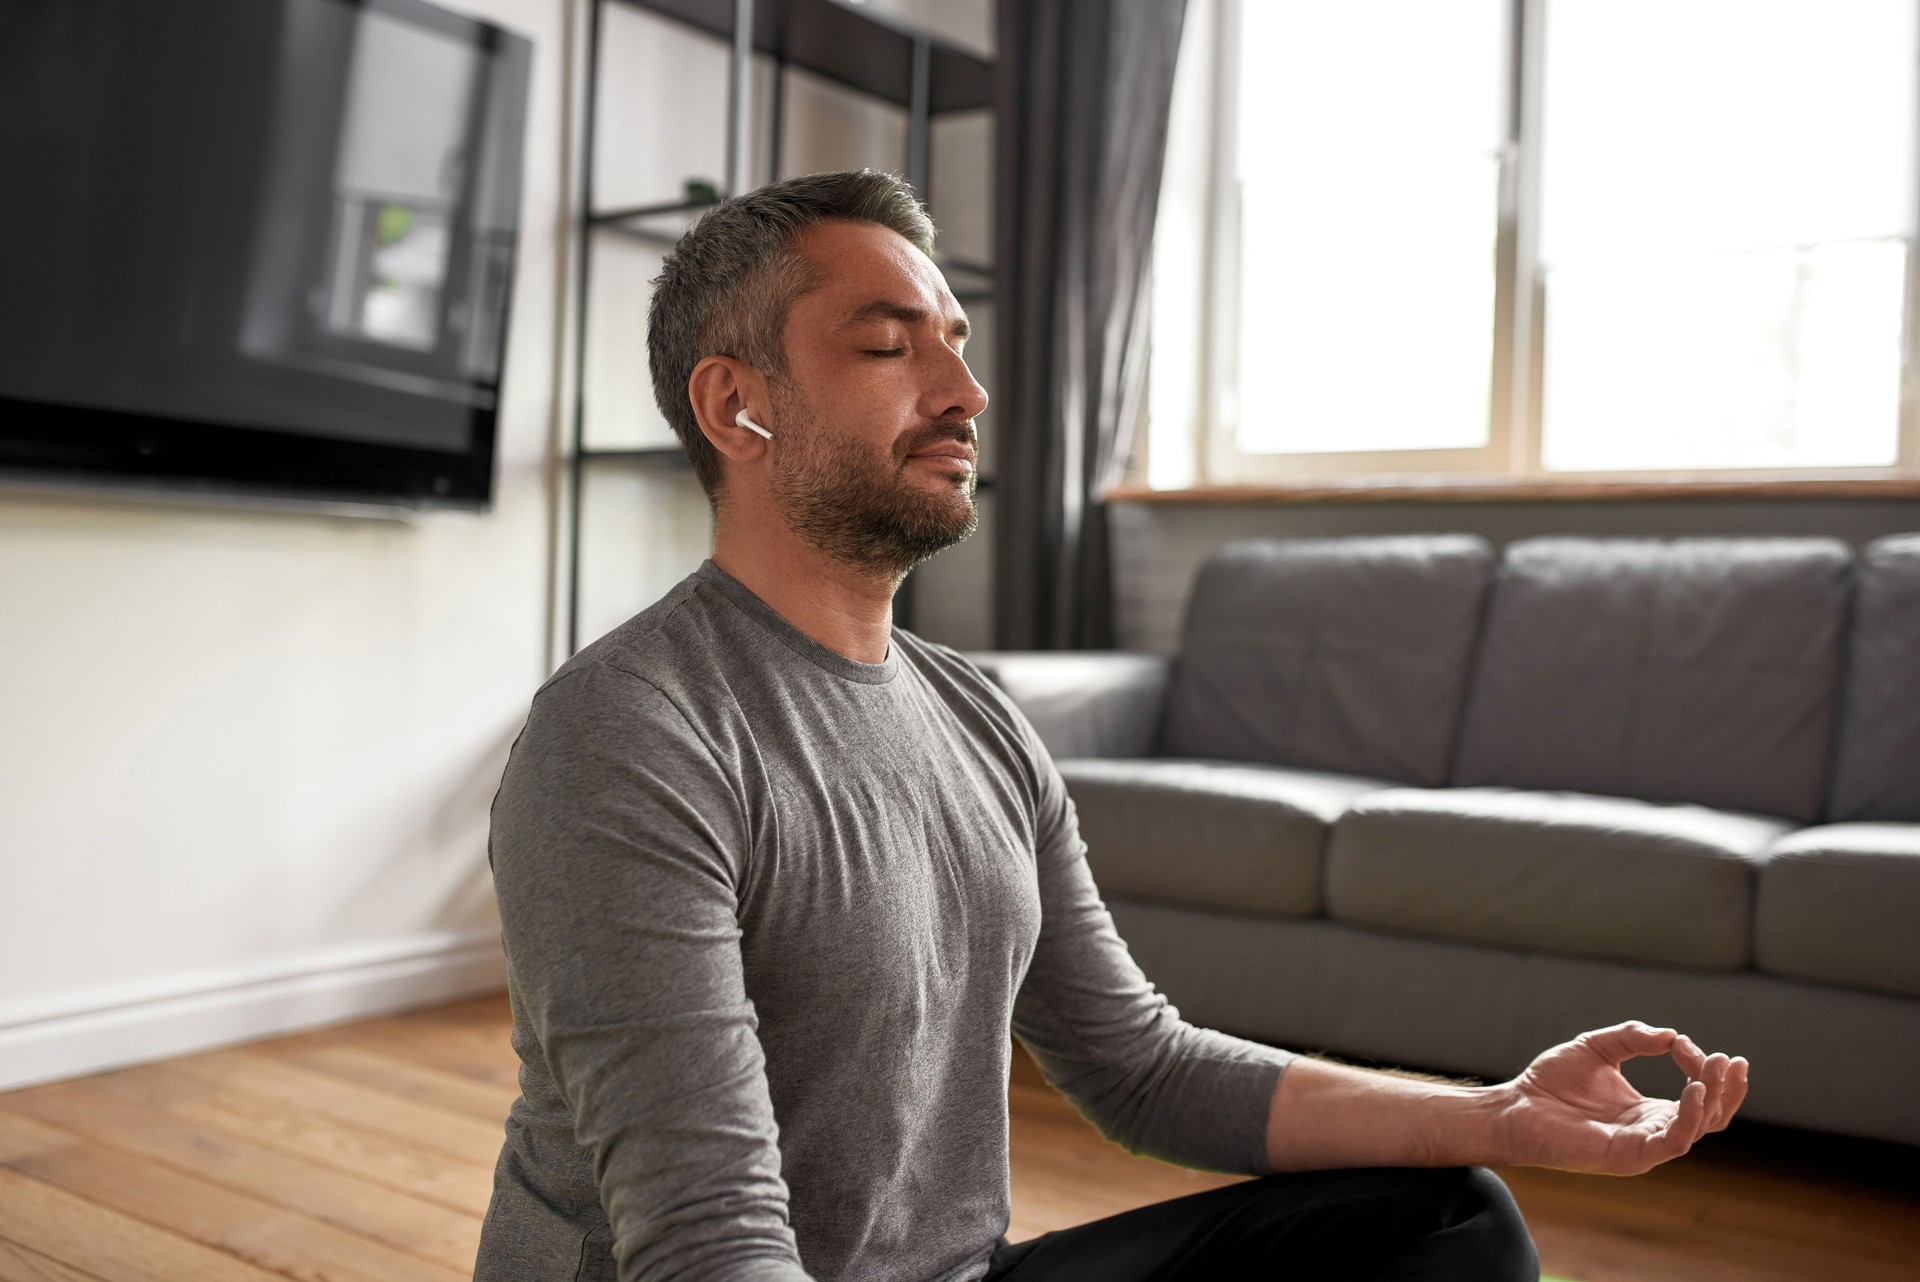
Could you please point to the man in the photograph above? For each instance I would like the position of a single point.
(776, 880)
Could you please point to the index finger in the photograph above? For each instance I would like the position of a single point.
(1688, 1055)
(1623, 1042)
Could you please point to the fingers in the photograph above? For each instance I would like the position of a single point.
(1622, 1042)
(1725, 1077)
(1732, 1094)
(1683, 1128)
(1688, 1055)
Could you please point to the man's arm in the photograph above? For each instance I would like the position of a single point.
(1571, 1109)
(1106, 1039)
(618, 845)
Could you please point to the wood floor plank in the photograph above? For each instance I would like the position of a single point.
(107, 1244)
(1856, 1220)
(372, 1132)
(379, 1159)
(24, 1137)
(486, 1100)
(458, 1051)
(18, 1264)
(424, 1125)
(259, 1232)
(421, 1228)
(1621, 1250)
(490, 1012)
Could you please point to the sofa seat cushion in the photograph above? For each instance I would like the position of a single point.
(1840, 903)
(1565, 873)
(1209, 834)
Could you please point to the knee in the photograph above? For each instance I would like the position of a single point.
(1453, 1222)
(1499, 1229)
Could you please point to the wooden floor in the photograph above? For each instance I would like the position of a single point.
(364, 1154)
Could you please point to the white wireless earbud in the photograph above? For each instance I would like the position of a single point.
(742, 419)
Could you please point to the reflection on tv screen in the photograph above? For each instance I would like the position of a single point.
(236, 230)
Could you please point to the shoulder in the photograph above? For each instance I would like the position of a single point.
(633, 695)
(655, 645)
(676, 660)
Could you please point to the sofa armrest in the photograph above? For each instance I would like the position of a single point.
(1084, 703)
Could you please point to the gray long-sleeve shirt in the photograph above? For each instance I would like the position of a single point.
(769, 915)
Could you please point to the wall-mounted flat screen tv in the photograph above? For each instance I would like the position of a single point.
(256, 248)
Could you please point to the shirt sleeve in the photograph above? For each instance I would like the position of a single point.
(1110, 1042)
(618, 847)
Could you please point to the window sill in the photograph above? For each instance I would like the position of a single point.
(1403, 489)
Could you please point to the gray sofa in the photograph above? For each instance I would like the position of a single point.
(1399, 799)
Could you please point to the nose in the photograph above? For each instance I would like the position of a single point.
(957, 394)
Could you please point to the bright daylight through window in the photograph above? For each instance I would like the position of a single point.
(1536, 238)
(1724, 218)
(1367, 228)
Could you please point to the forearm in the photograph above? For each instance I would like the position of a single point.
(1571, 1110)
(1326, 1116)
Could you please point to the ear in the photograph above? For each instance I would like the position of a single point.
(719, 388)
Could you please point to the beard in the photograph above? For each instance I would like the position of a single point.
(855, 503)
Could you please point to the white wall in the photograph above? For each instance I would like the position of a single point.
(246, 757)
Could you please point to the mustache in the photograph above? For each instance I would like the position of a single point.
(961, 430)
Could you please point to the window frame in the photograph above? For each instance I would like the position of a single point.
(1512, 455)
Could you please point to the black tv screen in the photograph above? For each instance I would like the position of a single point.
(257, 248)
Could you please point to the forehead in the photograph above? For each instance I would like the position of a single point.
(863, 263)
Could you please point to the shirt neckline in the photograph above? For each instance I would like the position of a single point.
(793, 638)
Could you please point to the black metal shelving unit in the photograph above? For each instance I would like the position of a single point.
(870, 53)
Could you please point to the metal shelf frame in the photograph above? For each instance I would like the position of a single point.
(870, 53)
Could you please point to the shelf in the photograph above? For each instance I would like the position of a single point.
(669, 454)
(1497, 489)
(870, 53)
(970, 281)
(854, 48)
(631, 221)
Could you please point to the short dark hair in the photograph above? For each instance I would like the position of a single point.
(730, 283)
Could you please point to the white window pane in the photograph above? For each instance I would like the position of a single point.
(1775, 358)
(1725, 124)
(1727, 189)
(1368, 134)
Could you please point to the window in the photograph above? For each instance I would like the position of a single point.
(1537, 239)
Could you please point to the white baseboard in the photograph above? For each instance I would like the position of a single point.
(67, 1035)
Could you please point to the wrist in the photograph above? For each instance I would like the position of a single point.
(1471, 1127)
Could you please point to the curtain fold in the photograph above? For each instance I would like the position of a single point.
(1085, 89)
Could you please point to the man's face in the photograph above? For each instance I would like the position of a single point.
(874, 442)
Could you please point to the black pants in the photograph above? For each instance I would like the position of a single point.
(1383, 1225)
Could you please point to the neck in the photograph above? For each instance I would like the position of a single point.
(845, 608)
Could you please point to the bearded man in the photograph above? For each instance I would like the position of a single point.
(777, 880)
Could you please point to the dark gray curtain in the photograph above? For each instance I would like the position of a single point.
(1085, 87)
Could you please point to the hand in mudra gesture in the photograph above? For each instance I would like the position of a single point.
(1573, 1110)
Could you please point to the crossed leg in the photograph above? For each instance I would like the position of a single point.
(1372, 1225)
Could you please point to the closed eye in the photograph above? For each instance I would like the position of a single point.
(891, 351)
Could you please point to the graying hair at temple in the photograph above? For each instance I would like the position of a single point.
(727, 287)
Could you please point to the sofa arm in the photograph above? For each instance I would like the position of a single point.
(1084, 703)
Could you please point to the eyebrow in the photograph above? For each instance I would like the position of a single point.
(882, 309)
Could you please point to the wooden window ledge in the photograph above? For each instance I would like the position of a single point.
(1401, 489)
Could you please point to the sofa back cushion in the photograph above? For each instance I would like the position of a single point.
(1330, 654)
(1699, 670)
(1877, 774)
